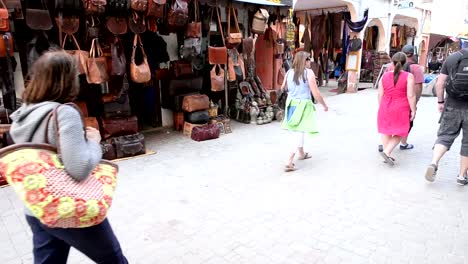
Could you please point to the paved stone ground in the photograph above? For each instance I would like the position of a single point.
(228, 201)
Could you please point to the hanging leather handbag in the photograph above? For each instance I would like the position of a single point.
(206, 132)
(217, 55)
(81, 56)
(59, 201)
(4, 39)
(119, 62)
(355, 44)
(178, 14)
(137, 23)
(118, 106)
(139, 73)
(156, 8)
(182, 68)
(96, 64)
(234, 35)
(119, 126)
(93, 27)
(198, 117)
(217, 78)
(108, 150)
(260, 21)
(4, 20)
(68, 24)
(15, 4)
(94, 7)
(129, 146)
(118, 8)
(194, 29)
(39, 19)
(139, 5)
(195, 102)
(117, 25)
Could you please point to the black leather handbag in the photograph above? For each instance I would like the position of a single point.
(198, 117)
(129, 146)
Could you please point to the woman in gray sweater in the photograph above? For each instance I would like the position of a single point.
(54, 82)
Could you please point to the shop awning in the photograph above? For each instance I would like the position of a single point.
(268, 2)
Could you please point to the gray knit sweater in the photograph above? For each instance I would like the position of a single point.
(79, 156)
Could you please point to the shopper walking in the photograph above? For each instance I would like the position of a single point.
(454, 109)
(300, 111)
(397, 108)
(54, 82)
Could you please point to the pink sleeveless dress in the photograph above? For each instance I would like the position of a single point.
(394, 111)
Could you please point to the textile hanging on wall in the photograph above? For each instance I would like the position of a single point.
(356, 26)
(337, 19)
(318, 34)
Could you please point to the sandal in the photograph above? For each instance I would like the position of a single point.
(390, 161)
(407, 146)
(289, 168)
(306, 156)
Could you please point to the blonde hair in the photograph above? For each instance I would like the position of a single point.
(54, 77)
(299, 66)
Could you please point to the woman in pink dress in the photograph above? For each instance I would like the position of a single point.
(397, 102)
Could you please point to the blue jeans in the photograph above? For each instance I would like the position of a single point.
(52, 245)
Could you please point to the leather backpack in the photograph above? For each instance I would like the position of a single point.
(118, 7)
(156, 8)
(140, 73)
(178, 14)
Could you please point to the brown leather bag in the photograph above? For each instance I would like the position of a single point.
(119, 62)
(91, 122)
(6, 38)
(39, 19)
(217, 55)
(137, 23)
(129, 146)
(13, 4)
(195, 102)
(178, 14)
(108, 150)
(119, 126)
(81, 56)
(117, 25)
(139, 73)
(194, 29)
(4, 21)
(97, 65)
(206, 132)
(182, 68)
(94, 7)
(139, 5)
(156, 8)
(234, 35)
(68, 24)
(217, 79)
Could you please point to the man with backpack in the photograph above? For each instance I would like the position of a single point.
(454, 109)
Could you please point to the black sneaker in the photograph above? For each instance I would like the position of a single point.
(462, 181)
(431, 172)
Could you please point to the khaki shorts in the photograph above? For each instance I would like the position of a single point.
(453, 121)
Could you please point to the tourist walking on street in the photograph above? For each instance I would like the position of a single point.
(300, 112)
(54, 82)
(397, 106)
(454, 109)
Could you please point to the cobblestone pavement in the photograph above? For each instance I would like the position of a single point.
(228, 201)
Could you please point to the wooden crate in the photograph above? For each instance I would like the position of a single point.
(188, 128)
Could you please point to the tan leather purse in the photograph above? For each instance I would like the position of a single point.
(194, 29)
(81, 56)
(217, 55)
(217, 79)
(234, 35)
(139, 73)
(96, 64)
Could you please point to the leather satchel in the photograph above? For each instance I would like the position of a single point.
(139, 73)
(39, 19)
(119, 62)
(117, 25)
(206, 132)
(196, 102)
(108, 150)
(94, 7)
(198, 117)
(178, 14)
(156, 8)
(119, 126)
(97, 65)
(118, 7)
(4, 39)
(194, 29)
(217, 79)
(4, 21)
(182, 68)
(139, 5)
(217, 55)
(234, 35)
(137, 23)
(81, 56)
(129, 146)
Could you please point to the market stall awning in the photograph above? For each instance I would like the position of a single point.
(269, 2)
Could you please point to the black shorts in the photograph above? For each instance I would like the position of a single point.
(453, 121)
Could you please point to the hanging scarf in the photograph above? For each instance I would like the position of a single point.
(356, 26)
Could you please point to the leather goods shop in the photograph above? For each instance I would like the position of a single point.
(143, 64)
